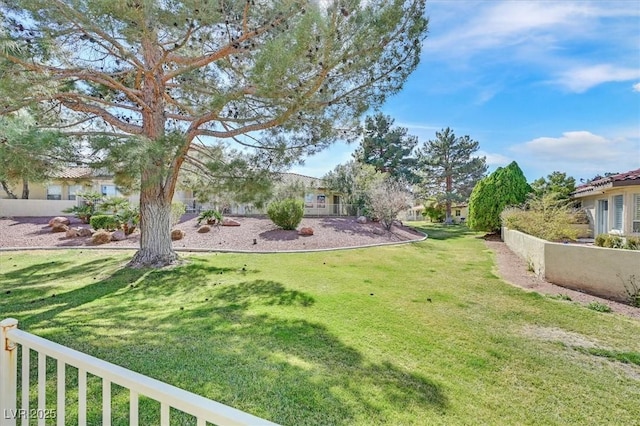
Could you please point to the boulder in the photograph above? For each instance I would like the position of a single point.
(59, 227)
(306, 231)
(101, 237)
(119, 235)
(72, 233)
(59, 219)
(204, 229)
(361, 219)
(177, 234)
(84, 232)
(230, 222)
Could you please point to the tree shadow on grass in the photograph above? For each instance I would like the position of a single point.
(247, 345)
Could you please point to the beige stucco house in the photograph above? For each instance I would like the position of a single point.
(61, 192)
(612, 203)
(459, 213)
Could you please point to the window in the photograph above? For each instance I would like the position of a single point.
(617, 212)
(54, 192)
(109, 190)
(635, 220)
(74, 190)
(458, 213)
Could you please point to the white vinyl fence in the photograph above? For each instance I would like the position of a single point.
(204, 410)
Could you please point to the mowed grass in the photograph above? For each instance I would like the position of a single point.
(424, 333)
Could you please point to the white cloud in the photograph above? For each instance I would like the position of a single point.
(544, 37)
(494, 159)
(579, 154)
(496, 25)
(636, 87)
(582, 79)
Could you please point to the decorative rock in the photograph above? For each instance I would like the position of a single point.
(305, 231)
(118, 235)
(59, 227)
(72, 233)
(361, 219)
(230, 222)
(378, 231)
(84, 232)
(177, 234)
(204, 229)
(101, 237)
(59, 219)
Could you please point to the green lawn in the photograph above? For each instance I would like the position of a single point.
(423, 333)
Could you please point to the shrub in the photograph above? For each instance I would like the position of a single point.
(632, 287)
(616, 241)
(545, 217)
(129, 218)
(600, 307)
(600, 239)
(387, 199)
(177, 210)
(90, 202)
(105, 221)
(633, 243)
(287, 214)
(212, 217)
(613, 241)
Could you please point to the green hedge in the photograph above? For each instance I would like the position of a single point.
(104, 221)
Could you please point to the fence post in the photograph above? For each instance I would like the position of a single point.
(8, 374)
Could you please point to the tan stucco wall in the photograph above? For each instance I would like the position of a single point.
(38, 190)
(596, 270)
(464, 213)
(34, 208)
(529, 248)
(320, 211)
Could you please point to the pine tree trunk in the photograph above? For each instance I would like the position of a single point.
(25, 189)
(6, 188)
(449, 185)
(156, 250)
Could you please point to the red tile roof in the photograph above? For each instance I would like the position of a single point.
(74, 173)
(632, 177)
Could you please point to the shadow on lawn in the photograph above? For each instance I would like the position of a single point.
(244, 345)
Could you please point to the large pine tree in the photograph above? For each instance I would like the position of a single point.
(449, 168)
(388, 149)
(143, 79)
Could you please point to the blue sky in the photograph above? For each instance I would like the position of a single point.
(553, 85)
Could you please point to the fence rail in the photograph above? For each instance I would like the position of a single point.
(203, 409)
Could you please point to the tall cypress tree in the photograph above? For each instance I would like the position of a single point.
(506, 186)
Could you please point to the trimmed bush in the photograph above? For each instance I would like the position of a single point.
(104, 221)
(615, 241)
(287, 214)
(633, 243)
